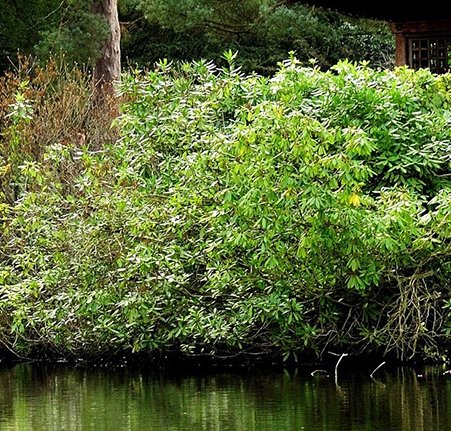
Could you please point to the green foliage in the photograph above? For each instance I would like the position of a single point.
(51, 29)
(241, 214)
(324, 35)
(216, 16)
(76, 35)
(263, 31)
(21, 23)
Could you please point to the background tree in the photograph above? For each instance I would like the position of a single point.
(71, 30)
(76, 32)
(21, 26)
(107, 69)
(263, 31)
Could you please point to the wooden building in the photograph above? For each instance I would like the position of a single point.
(423, 44)
(422, 30)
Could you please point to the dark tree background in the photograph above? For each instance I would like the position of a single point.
(262, 31)
(21, 25)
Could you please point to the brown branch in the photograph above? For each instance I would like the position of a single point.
(237, 29)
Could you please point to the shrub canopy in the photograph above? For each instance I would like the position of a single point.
(240, 214)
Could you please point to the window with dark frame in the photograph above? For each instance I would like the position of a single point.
(430, 52)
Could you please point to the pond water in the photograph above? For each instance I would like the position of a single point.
(34, 397)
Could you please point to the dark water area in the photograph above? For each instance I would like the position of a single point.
(60, 397)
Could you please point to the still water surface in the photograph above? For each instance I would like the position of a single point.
(65, 398)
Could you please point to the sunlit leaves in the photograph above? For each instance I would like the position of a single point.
(238, 214)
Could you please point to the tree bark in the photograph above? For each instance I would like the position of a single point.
(107, 71)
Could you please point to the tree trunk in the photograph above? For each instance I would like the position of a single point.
(107, 71)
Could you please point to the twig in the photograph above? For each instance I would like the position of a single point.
(12, 351)
(319, 371)
(371, 375)
(336, 366)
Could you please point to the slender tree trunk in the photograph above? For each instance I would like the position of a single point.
(107, 71)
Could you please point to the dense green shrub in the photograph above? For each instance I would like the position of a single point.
(242, 215)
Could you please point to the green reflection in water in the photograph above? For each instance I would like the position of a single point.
(61, 398)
